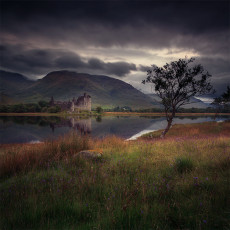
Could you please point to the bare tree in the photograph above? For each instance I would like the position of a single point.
(176, 83)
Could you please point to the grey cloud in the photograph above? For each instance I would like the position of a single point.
(38, 61)
(95, 63)
(201, 26)
(145, 24)
(212, 65)
(203, 16)
(220, 82)
(120, 68)
(69, 61)
(215, 65)
(21, 60)
(144, 68)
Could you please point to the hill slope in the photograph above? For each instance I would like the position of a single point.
(11, 83)
(64, 85)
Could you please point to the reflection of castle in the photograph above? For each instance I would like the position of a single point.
(83, 125)
(82, 103)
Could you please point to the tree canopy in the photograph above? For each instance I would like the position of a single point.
(176, 83)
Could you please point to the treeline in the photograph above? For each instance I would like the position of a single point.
(41, 106)
(224, 109)
(188, 110)
(205, 110)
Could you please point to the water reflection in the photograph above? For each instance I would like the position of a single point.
(21, 129)
(33, 129)
(82, 125)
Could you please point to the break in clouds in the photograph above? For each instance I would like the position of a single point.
(116, 38)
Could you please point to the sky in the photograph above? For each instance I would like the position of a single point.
(120, 39)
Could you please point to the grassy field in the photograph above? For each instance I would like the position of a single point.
(181, 182)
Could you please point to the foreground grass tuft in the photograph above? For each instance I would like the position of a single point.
(184, 164)
(156, 184)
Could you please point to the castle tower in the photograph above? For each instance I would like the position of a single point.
(72, 107)
(87, 102)
(51, 101)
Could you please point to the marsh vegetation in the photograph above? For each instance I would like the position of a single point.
(181, 182)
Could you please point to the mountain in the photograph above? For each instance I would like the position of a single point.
(13, 82)
(10, 85)
(194, 102)
(64, 85)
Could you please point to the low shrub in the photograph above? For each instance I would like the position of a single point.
(184, 164)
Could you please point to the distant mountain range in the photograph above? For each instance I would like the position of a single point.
(194, 102)
(64, 85)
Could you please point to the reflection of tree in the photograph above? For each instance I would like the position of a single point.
(189, 117)
(150, 117)
(98, 119)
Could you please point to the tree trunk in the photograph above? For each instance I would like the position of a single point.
(168, 125)
(217, 112)
(167, 128)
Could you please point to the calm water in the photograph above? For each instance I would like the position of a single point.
(24, 129)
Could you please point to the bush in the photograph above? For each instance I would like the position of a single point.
(4, 109)
(99, 109)
(33, 108)
(43, 104)
(54, 109)
(20, 108)
(44, 109)
(184, 164)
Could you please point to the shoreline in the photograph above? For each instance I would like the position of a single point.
(137, 137)
(111, 114)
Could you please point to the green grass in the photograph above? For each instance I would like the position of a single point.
(175, 183)
(184, 164)
(194, 130)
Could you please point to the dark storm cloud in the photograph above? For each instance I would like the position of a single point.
(116, 68)
(120, 68)
(215, 65)
(220, 83)
(38, 36)
(212, 65)
(69, 60)
(95, 63)
(38, 61)
(16, 58)
(150, 23)
(192, 16)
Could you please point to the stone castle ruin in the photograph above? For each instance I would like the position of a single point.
(82, 103)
